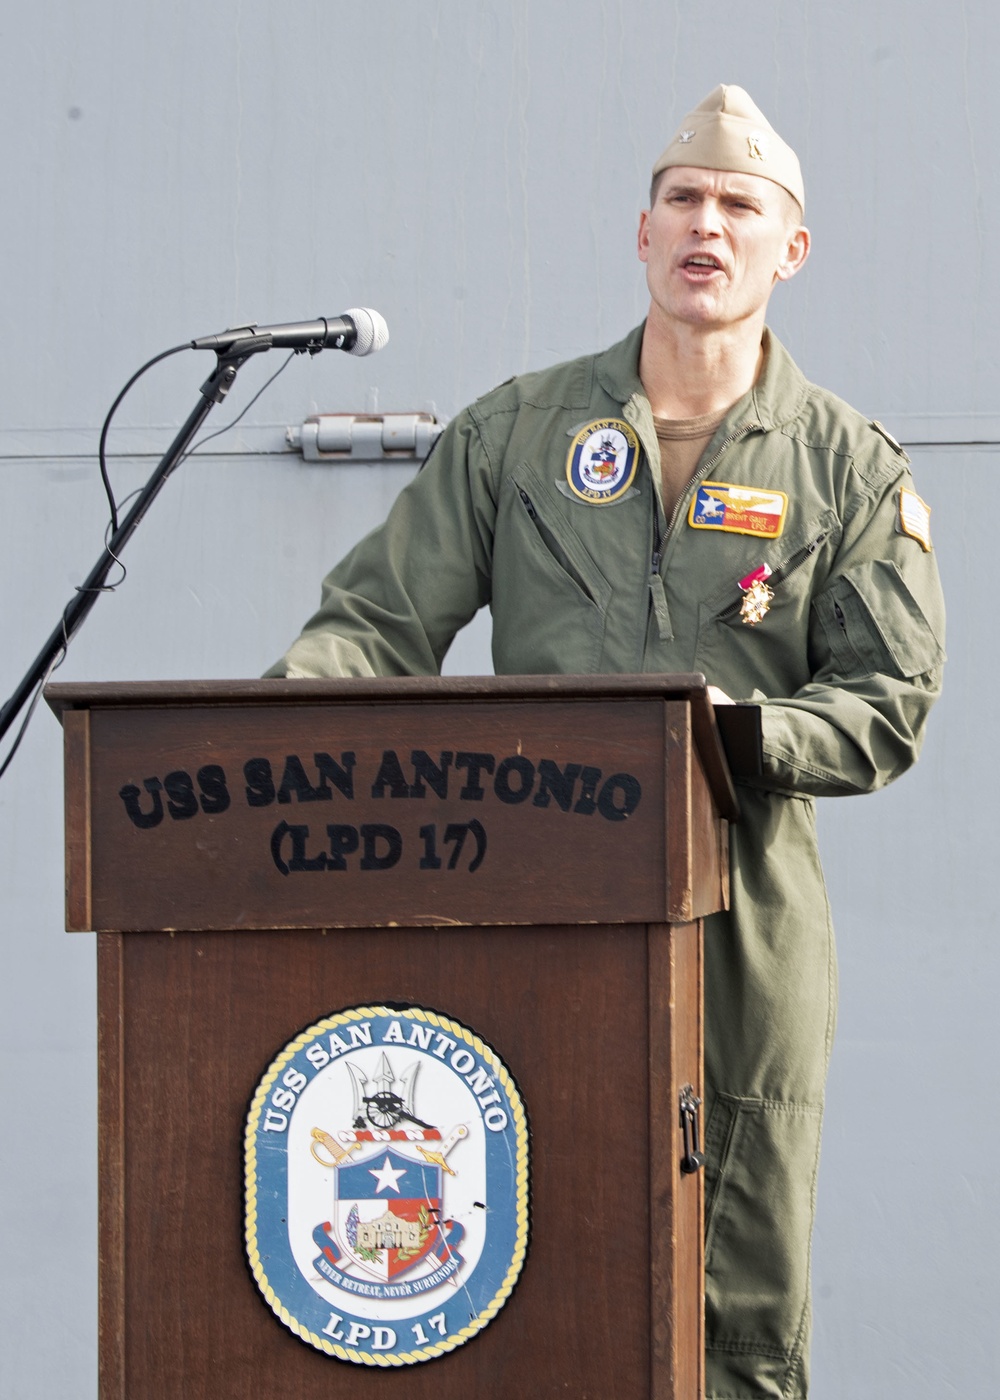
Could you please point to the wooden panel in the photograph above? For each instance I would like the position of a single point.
(687, 1058)
(677, 1329)
(76, 754)
(394, 690)
(112, 1275)
(697, 842)
(709, 849)
(217, 810)
(677, 779)
(234, 824)
(566, 1008)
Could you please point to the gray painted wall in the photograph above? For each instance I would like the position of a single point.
(475, 170)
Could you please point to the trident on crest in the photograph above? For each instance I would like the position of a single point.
(383, 1101)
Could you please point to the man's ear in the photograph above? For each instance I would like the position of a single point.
(796, 252)
(642, 242)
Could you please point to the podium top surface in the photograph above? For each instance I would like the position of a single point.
(62, 696)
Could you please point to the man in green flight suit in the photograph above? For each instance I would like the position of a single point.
(687, 501)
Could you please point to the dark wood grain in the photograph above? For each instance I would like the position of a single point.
(390, 690)
(687, 1068)
(709, 846)
(678, 854)
(563, 958)
(564, 1007)
(111, 1080)
(540, 861)
(78, 807)
(676, 1250)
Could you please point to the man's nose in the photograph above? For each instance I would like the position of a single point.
(707, 221)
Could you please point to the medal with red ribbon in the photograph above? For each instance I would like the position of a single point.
(756, 595)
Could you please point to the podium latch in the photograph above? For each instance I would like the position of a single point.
(693, 1157)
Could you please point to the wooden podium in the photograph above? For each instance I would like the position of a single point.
(531, 856)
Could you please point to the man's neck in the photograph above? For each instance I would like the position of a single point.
(689, 371)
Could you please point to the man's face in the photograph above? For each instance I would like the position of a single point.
(714, 244)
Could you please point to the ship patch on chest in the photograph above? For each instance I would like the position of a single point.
(602, 461)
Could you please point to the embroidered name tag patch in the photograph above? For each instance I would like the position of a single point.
(742, 510)
(602, 461)
(914, 517)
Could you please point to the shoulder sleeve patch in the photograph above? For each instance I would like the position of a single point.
(885, 433)
(914, 518)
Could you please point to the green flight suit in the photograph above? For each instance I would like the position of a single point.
(845, 664)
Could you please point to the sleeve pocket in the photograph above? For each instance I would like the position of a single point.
(873, 623)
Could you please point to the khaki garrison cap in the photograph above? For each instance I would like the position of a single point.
(728, 132)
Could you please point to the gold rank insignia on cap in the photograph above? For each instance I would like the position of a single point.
(915, 518)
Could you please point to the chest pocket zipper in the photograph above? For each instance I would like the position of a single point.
(779, 576)
(552, 545)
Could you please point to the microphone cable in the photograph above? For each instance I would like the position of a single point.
(113, 506)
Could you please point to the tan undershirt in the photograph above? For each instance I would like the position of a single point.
(682, 442)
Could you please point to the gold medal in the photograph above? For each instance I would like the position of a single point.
(756, 601)
(756, 595)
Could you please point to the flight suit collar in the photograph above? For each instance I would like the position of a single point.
(774, 400)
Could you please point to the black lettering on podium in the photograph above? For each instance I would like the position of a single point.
(525, 770)
(372, 859)
(214, 793)
(294, 780)
(631, 794)
(586, 803)
(476, 763)
(180, 792)
(390, 775)
(425, 770)
(260, 782)
(340, 774)
(556, 782)
(343, 843)
(129, 794)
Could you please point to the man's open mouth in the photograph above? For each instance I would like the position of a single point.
(699, 261)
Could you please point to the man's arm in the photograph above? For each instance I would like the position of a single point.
(876, 640)
(393, 605)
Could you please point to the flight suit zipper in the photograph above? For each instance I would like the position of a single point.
(702, 473)
(657, 592)
(658, 599)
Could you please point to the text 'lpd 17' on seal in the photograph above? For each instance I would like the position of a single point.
(386, 1170)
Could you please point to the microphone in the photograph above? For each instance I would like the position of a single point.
(359, 331)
